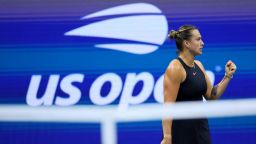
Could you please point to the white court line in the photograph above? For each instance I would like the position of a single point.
(109, 115)
(142, 112)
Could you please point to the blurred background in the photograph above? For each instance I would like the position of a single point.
(85, 52)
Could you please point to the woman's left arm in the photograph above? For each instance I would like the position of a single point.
(214, 92)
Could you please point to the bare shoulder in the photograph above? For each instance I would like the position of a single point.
(174, 66)
(175, 70)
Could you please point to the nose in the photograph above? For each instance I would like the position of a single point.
(202, 43)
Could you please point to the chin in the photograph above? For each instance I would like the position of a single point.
(199, 53)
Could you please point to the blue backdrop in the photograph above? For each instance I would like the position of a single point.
(113, 52)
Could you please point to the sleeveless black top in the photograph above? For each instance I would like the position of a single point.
(191, 131)
(194, 86)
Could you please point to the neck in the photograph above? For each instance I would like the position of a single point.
(187, 57)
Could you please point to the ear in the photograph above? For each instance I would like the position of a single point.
(187, 44)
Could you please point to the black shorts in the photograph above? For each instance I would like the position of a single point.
(192, 131)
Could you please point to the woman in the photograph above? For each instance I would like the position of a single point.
(185, 80)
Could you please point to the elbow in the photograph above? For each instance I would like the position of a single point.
(210, 97)
(213, 97)
(214, 93)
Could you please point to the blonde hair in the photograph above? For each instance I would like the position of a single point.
(184, 33)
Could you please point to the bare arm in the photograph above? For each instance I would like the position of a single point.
(172, 79)
(214, 92)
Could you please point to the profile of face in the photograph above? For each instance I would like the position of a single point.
(195, 43)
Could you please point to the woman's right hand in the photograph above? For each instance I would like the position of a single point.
(166, 141)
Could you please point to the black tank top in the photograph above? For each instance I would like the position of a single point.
(194, 86)
(191, 131)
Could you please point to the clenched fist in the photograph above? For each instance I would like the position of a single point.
(230, 68)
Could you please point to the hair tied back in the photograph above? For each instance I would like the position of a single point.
(173, 34)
